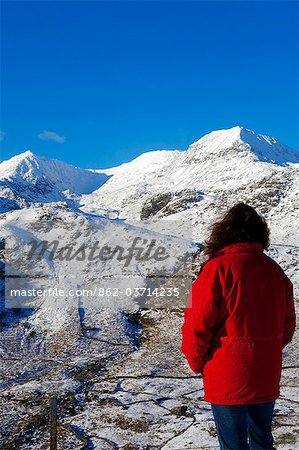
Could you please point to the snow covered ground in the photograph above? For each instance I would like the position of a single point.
(113, 362)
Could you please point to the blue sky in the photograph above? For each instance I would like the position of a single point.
(97, 83)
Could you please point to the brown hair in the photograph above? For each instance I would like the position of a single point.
(241, 223)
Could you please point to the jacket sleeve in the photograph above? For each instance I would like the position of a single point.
(200, 317)
(290, 317)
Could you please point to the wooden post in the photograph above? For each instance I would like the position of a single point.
(53, 423)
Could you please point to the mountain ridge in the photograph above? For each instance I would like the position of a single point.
(223, 137)
(223, 162)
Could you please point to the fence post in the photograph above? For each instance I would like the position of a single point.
(53, 423)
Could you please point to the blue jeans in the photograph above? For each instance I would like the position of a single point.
(236, 423)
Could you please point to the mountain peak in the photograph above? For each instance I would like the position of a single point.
(238, 140)
(31, 178)
(217, 139)
(9, 166)
(14, 160)
(27, 153)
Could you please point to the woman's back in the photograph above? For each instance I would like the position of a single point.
(249, 294)
(254, 290)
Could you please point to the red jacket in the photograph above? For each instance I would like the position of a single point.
(239, 316)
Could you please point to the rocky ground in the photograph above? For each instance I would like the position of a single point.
(110, 378)
(131, 393)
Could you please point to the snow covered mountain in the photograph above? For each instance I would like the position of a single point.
(193, 186)
(28, 178)
(190, 186)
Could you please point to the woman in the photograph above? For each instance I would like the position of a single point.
(239, 316)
